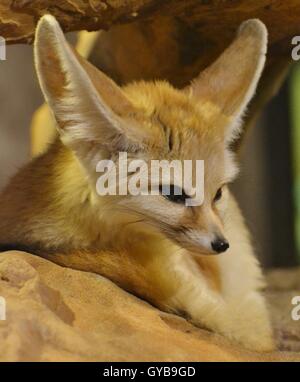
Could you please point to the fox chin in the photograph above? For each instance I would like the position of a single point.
(154, 246)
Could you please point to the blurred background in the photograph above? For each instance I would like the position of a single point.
(268, 188)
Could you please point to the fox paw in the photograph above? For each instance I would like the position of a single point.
(248, 323)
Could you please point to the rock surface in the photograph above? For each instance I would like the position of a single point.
(283, 286)
(59, 314)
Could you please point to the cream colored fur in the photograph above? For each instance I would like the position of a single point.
(158, 250)
(42, 128)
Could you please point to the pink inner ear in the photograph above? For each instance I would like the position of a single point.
(54, 77)
(230, 82)
(48, 64)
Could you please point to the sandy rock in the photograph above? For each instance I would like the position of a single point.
(59, 314)
(283, 286)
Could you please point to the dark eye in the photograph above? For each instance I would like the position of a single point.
(218, 195)
(175, 194)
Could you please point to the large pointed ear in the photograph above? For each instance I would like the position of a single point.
(88, 106)
(230, 82)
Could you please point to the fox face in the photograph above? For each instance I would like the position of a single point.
(182, 129)
(96, 120)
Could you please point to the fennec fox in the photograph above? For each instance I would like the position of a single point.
(153, 246)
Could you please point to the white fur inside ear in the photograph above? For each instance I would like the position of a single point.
(80, 109)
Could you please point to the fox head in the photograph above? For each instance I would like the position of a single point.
(96, 119)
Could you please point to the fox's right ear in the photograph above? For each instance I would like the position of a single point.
(88, 106)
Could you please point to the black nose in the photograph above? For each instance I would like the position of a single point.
(220, 245)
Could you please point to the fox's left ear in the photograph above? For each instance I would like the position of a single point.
(230, 82)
